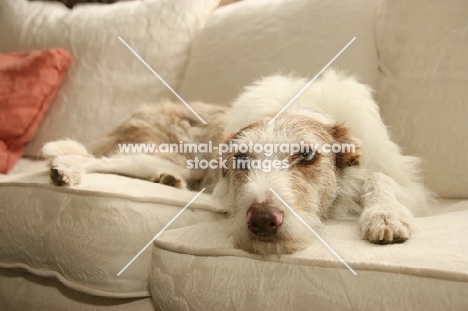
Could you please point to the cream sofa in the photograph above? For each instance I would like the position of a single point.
(61, 248)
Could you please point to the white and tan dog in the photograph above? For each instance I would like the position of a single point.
(374, 180)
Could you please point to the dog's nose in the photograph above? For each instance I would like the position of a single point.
(264, 219)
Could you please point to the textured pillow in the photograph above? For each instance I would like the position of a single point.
(106, 82)
(28, 83)
(424, 86)
(242, 42)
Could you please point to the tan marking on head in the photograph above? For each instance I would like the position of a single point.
(342, 136)
(235, 136)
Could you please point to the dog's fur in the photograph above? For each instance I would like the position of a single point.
(374, 181)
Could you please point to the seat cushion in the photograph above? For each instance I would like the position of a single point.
(20, 291)
(197, 266)
(247, 40)
(83, 236)
(106, 82)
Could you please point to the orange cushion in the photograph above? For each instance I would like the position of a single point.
(28, 83)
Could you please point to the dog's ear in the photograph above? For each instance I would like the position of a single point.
(350, 151)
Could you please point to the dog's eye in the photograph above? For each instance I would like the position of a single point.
(242, 156)
(307, 155)
(241, 161)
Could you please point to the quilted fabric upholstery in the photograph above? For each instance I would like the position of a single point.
(250, 39)
(22, 291)
(107, 82)
(197, 266)
(83, 236)
(423, 91)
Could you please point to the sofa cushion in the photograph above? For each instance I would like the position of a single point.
(106, 82)
(83, 236)
(423, 86)
(21, 291)
(29, 81)
(250, 39)
(197, 266)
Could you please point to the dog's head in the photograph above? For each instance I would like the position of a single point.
(306, 179)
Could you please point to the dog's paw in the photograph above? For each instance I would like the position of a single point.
(66, 171)
(385, 227)
(170, 179)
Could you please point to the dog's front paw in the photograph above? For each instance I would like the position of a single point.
(65, 171)
(382, 226)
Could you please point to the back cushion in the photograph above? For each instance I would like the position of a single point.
(246, 40)
(423, 92)
(106, 82)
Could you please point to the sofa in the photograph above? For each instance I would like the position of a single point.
(61, 248)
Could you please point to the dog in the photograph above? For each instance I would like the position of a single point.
(373, 180)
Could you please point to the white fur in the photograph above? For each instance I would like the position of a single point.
(386, 183)
(385, 189)
(345, 101)
(63, 147)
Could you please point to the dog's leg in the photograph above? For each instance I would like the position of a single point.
(384, 219)
(70, 170)
(142, 166)
(70, 162)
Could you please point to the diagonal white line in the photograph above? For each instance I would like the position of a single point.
(162, 230)
(311, 81)
(313, 231)
(162, 80)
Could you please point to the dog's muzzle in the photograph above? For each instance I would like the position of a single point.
(264, 219)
